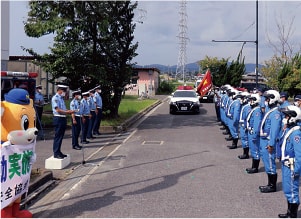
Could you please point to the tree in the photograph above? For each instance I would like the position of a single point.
(223, 73)
(290, 77)
(271, 70)
(234, 72)
(93, 44)
(218, 68)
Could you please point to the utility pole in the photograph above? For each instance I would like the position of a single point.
(182, 40)
(247, 41)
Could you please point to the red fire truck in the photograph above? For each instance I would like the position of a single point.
(25, 80)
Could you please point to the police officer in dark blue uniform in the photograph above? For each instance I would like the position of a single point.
(76, 119)
(59, 111)
(290, 157)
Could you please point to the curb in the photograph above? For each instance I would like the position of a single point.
(46, 181)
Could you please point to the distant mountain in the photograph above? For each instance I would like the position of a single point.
(191, 67)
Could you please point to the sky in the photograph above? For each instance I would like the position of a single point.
(158, 22)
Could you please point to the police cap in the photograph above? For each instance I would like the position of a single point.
(283, 94)
(297, 97)
(85, 93)
(97, 87)
(77, 92)
(39, 87)
(62, 87)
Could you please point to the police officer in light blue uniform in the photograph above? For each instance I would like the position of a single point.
(59, 111)
(76, 119)
(254, 119)
(233, 115)
(291, 160)
(38, 105)
(283, 104)
(245, 109)
(230, 94)
(222, 107)
(269, 133)
(98, 111)
(85, 113)
(92, 105)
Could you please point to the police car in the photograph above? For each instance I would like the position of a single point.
(25, 80)
(184, 101)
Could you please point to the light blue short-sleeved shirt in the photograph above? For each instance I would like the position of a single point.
(57, 102)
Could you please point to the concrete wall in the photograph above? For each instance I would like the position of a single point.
(4, 34)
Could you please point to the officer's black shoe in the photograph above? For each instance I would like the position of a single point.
(64, 155)
(59, 156)
(91, 137)
(234, 144)
(254, 168)
(226, 133)
(77, 147)
(294, 210)
(245, 154)
(271, 187)
(223, 128)
(85, 142)
(230, 138)
(287, 214)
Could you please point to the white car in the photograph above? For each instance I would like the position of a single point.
(184, 101)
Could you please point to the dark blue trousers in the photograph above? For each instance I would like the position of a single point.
(85, 126)
(59, 124)
(76, 131)
(97, 122)
(91, 123)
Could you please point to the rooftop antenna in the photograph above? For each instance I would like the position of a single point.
(182, 40)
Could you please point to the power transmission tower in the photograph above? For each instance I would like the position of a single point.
(182, 41)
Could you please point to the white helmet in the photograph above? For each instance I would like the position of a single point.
(273, 96)
(245, 96)
(255, 99)
(293, 112)
(236, 94)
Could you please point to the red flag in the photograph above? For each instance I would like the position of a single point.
(205, 84)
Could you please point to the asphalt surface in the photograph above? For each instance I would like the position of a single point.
(43, 179)
(165, 166)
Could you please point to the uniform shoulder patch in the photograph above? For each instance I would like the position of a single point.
(297, 139)
(277, 116)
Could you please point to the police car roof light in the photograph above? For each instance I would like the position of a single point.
(19, 74)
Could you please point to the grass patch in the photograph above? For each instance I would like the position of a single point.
(129, 106)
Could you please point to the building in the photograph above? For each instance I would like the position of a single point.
(4, 34)
(145, 82)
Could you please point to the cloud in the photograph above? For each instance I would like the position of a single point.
(206, 21)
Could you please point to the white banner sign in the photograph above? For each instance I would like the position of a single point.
(16, 164)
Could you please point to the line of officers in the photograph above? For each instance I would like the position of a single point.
(269, 128)
(86, 113)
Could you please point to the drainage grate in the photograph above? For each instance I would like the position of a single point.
(152, 142)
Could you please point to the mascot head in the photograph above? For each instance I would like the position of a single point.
(18, 118)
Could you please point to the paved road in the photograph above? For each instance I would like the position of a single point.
(165, 166)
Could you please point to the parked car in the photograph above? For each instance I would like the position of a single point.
(184, 101)
(208, 98)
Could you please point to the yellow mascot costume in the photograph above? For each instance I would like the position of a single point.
(18, 139)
